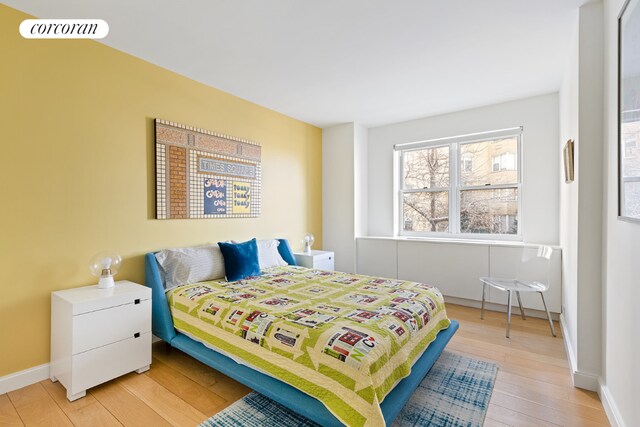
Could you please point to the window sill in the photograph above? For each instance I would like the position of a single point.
(453, 240)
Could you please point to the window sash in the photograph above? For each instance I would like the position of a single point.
(402, 160)
(455, 188)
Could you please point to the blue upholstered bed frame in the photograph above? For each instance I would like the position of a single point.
(271, 387)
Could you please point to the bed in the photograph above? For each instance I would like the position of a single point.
(188, 318)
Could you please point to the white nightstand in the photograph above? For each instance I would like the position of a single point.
(99, 334)
(322, 260)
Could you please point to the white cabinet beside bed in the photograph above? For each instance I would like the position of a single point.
(452, 268)
(455, 267)
(99, 334)
(321, 260)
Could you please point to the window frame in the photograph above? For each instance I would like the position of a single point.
(455, 188)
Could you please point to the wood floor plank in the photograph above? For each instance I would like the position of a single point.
(534, 385)
(539, 396)
(187, 365)
(515, 418)
(201, 398)
(37, 408)
(230, 389)
(520, 341)
(127, 408)
(222, 385)
(510, 356)
(564, 415)
(570, 393)
(171, 407)
(506, 352)
(8, 415)
(490, 422)
(86, 411)
(584, 397)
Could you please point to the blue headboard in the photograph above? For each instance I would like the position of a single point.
(161, 321)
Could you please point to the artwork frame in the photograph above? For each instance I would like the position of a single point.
(568, 156)
(629, 112)
(202, 174)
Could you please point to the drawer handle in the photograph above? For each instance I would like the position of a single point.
(136, 301)
(329, 257)
(136, 335)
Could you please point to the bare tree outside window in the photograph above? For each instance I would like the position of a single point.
(427, 170)
(484, 184)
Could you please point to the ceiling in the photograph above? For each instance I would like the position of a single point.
(333, 61)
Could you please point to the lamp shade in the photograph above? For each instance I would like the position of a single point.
(308, 242)
(105, 265)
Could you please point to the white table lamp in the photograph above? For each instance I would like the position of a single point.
(105, 265)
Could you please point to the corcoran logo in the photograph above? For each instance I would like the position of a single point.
(64, 29)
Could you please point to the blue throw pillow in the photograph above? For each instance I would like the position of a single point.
(240, 259)
(285, 252)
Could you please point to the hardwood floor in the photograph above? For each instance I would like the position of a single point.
(533, 387)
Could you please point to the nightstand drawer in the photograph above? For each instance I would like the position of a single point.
(105, 363)
(103, 327)
(325, 264)
(322, 260)
(318, 259)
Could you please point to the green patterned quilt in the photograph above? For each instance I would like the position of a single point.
(344, 339)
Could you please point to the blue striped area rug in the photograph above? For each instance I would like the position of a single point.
(455, 392)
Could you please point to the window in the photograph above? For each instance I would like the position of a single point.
(466, 163)
(466, 186)
(504, 162)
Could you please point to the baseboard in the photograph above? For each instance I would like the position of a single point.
(610, 406)
(586, 380)
(580, 379)
(571, 356)
(24, 378)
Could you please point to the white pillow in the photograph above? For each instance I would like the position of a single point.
(191, 265)
(268, 255)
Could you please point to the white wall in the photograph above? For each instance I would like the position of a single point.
(344, 195)
(538, 116)
(361, 178)
(590, 172)
(581, 112)
(338, 207)
(621, 377)
(569, 202)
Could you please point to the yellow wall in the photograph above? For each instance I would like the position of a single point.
(77, 172)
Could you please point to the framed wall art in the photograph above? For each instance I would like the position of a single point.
(629, 111)
(203, 174)
(568, 157)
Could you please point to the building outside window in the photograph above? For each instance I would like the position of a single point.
(467, 163)
(504, 162)
(466, 186)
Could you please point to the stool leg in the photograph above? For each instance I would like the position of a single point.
(484, 288)
(520, 304)
(508, 313)
(553, 330)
